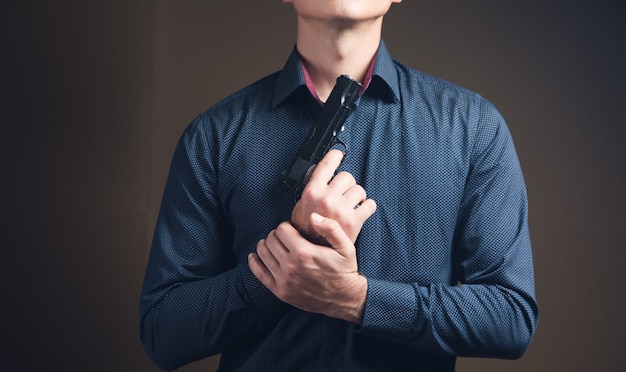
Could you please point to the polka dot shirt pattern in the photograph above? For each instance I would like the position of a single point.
(447, 254)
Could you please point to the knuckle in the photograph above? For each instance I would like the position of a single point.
(299, 257)
(346, 178)
(327, 203)
(310, 193)
(282, 228)
(345, 174)
(360, 191)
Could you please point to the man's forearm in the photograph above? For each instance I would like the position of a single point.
(196, 319)
(350, 305)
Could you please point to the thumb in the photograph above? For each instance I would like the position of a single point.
(330, 230)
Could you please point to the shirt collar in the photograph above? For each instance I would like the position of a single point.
(384, 82)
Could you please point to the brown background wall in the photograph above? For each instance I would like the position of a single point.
(95, 95)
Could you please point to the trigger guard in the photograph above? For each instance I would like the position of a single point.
(343, 144)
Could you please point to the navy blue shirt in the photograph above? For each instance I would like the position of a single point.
(447, 254)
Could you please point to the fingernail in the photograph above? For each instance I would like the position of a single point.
(317, 218)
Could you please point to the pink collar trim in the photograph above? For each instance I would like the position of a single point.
(309, 82)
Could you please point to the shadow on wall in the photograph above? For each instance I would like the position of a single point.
(98, 95)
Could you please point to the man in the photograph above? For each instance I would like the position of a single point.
(415, 252)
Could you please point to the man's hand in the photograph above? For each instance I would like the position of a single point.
(338, 198)
(311, 277)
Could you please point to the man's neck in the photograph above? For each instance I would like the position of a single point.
(332, 50)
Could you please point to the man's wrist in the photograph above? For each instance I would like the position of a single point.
(352, 309)
(360, 298)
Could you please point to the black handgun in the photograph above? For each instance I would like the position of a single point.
(325, 132)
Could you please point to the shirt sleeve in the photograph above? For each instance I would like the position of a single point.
(198, 298)
(492, 311)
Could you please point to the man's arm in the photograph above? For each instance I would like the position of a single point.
(310, 261)
(196, 299)
(315, 278)
(492, 312)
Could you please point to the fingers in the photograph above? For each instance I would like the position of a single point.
(331, 231)
(354, 196)
(258, 268)
(265, 254)
(325, 169)
(338, 197)
(265, 263)
(365, 210)
(341, 183)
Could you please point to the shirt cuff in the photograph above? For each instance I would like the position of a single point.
(390, 310)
